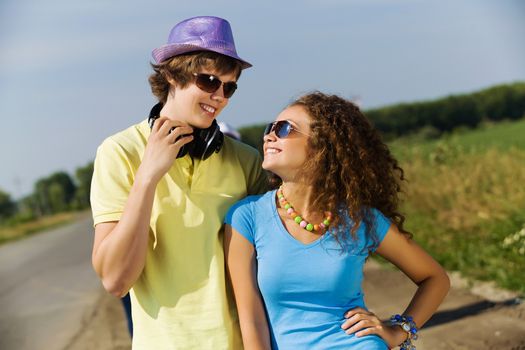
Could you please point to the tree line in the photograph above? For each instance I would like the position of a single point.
(60, 192)
(430, 119)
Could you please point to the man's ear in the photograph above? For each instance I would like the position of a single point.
(171, 81)
(173, 85)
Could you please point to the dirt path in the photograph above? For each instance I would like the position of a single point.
(104, 328)
(477, 317)
(494, 321)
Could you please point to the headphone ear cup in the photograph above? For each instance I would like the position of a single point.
(204, 143)
(154, 114)
(187, 148)
(207, 141)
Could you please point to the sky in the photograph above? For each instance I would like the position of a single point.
(73, 73)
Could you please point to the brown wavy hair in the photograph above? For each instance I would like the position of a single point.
(349, 166)
(181, 68)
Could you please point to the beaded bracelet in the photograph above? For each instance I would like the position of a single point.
(408, 325)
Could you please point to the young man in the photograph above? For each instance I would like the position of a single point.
(160, 192)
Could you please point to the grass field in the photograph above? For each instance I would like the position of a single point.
(501, 136)
(21, 230)
(465, 200)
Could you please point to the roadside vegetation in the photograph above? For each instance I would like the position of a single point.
(22, 229)
(465, 201)
(55, 200)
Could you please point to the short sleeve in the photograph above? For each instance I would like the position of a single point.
(258, 183)
(240, 217)
(251, 162)
(111, 182)
(381, 226)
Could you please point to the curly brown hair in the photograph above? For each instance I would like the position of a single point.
(180, 68)
(349, 165)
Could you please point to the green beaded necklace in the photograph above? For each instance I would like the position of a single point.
(298, 218)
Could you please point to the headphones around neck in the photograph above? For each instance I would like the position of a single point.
(205, 141)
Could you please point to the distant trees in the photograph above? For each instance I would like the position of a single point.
(56, 193)
(253, 135)
(467, 110)
(503, 101)
(7, 206)
(432, 118)
(83, 177)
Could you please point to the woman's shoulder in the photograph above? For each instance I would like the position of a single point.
(378, 218)
(370, 231)
(380, 225)
(249, 210)
(255, 200)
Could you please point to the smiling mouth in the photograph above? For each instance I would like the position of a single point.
(209, 109)
(272, 151)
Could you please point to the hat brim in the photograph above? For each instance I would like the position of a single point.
(164, 52)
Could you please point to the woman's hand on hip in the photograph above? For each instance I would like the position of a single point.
(362, 322)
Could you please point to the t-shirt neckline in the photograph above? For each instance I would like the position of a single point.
(282, 229)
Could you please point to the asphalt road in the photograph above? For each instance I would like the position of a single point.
(50, 298)
(47, 287)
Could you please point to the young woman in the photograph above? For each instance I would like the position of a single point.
(295, 255)
(161, 189)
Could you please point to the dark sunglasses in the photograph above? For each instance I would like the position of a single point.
(210, 83)
(282, 129)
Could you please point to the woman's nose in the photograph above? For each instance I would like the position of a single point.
(270, 137)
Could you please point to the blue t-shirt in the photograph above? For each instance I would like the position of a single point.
(306, 288)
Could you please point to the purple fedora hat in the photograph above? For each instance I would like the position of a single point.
(199, 33)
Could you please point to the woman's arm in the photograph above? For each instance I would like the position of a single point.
(431, 279)
(241, 267)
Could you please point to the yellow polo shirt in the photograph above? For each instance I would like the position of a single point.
(180, 300)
